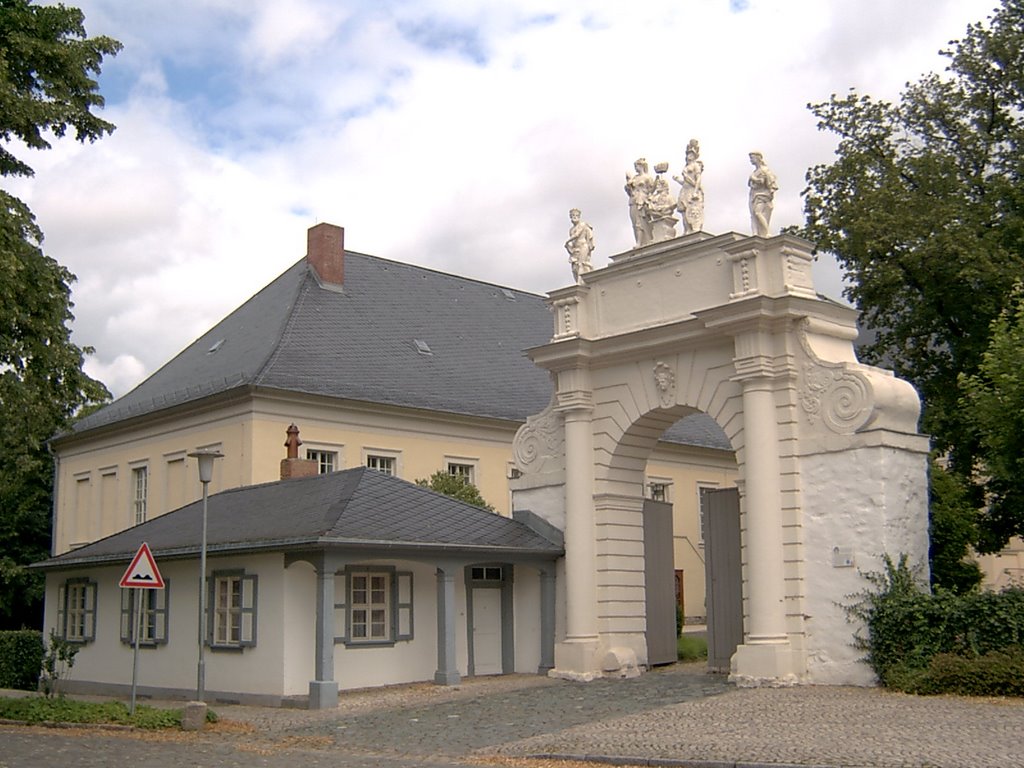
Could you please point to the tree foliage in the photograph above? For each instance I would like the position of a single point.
(47, 86)
(923, 208)
(456, 487)
(993, 405)
(952, 530)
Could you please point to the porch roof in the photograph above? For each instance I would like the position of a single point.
(358, 509)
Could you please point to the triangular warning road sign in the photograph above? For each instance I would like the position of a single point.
(143, 571)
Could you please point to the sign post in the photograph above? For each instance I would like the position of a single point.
(141, 575)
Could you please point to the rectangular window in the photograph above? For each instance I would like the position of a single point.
(464, 471)
(232, 610)
(378, 609)
(658, 491)
(702, 493)
(140, 489)
(327, 461)
(385, 464)
(76, 610)
(369, 607)
(154, 607)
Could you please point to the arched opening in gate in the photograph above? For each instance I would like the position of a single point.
(683, 465)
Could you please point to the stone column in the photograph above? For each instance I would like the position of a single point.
(447, 669)
(765, 654)
(323, 691)
(575, 657)
(547, 619)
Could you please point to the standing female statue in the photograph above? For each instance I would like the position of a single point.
(639, 187)
(691, 196)
(762, 195)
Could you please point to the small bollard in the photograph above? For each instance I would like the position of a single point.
(193, 716)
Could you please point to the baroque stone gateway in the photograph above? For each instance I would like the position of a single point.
(831, 467)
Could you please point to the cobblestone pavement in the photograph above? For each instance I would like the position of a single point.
(676, 715)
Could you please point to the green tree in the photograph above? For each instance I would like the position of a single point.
(923, 208)
(993, 404)
(456, 487)
(953, 530)
(47, 85)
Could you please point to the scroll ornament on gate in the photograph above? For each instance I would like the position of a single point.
(840, 397)
(539, 445)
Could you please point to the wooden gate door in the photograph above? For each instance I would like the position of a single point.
(723, 576)
(659, 583)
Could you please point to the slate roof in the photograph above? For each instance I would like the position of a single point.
(356, 508)
(359, 343)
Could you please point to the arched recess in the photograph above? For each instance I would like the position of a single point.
(729, 326)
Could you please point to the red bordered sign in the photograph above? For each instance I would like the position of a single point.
(143, 573)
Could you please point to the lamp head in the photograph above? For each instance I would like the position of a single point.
(206, 457)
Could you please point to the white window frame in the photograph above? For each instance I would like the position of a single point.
(155, 615)
(374, 456)
(361, 591)
(664, 483)
(76, 610)
(327, 460)
(460, 467)
(703, 486)
(140, 492)
(231, 610)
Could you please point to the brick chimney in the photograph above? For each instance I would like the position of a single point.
(325, 253)
(292, 466)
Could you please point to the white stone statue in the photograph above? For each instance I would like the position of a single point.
(660, 207)
(691, 196)
(762, 195)
(579, 245)
(639, 187)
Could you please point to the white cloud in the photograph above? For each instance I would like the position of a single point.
(444, 133)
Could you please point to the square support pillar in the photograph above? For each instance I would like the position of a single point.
(447, 671)
(323, 691)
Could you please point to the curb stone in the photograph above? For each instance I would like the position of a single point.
(671, 762)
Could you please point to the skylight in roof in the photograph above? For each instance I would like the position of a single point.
(508, 294)
(422, 347)
(216, 345)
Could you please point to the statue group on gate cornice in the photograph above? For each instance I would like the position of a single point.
(652, 208)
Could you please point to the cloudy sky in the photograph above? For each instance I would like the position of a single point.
(453, 134)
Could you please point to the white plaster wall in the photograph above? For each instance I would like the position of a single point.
(407, 661)
(299, 628)
(527, 619)
(867, 502)
(173, 665)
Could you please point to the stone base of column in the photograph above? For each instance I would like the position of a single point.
(450, 677)
(767, 665)
(576, 659)
(323, 694)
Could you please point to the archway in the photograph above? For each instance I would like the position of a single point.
(831, 468)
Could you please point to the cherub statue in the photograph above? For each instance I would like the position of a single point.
(762, 195)
(638, 187)
(691, 196)
(579, 245)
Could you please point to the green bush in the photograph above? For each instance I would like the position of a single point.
(997, 673)
(35, 709)
(936, 643)
(21, 658)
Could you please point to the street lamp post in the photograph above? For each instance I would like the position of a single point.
(206, 457)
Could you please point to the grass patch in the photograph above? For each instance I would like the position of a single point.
(691, 648)
(36, 709)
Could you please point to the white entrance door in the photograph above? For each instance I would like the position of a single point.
(487, 631)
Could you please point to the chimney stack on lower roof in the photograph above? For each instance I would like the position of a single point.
(325, 253)
(292, 466)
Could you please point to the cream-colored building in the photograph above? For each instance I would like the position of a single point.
(386, 365)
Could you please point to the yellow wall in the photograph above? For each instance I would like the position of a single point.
(94, 496)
